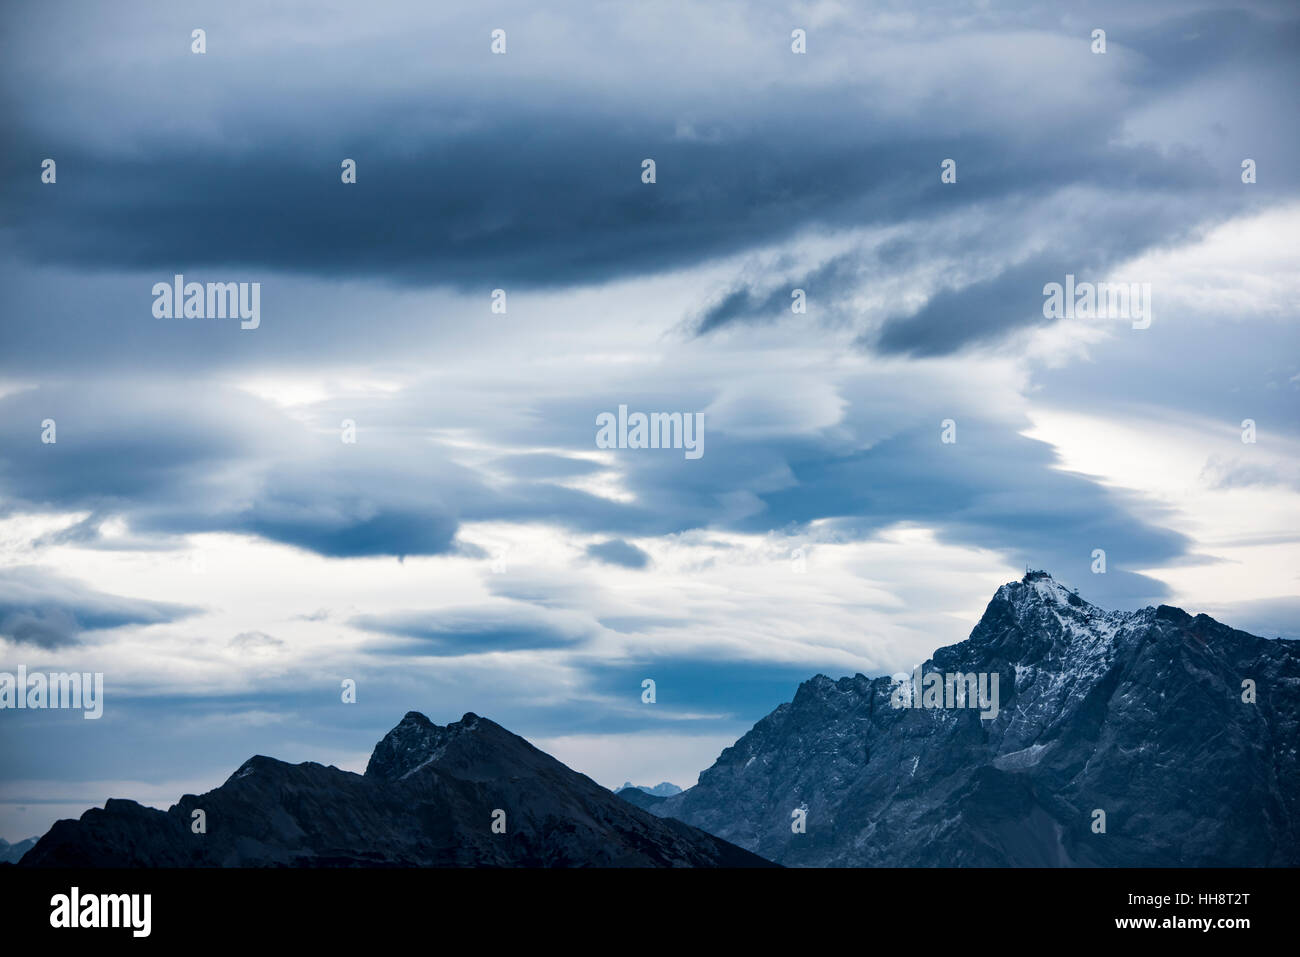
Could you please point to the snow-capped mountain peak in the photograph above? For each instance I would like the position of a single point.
(1148, 715)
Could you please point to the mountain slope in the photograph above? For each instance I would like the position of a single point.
(642, 799)
(427, 798)
(1139, 715)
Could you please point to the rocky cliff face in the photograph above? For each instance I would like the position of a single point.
(1137, 715)
(427, 798)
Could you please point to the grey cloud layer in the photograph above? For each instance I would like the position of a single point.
(42, 608)
(404, 493)
(472, 630)
(512, 174)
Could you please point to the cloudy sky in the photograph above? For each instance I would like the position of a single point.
(201, 532)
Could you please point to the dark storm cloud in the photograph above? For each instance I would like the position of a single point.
(472, 630)
(992, 489)
(747, 303)
(121, 441)
(403, 495)
(173, 462)
(1082, 233)
(39, 607)
(955, 317)
(541, 197)
(481, 182)
(618, 552)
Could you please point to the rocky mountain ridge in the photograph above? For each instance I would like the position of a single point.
(470, 794)
(1135, 721)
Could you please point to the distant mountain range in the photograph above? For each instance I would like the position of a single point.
(1057, 734)
(662, 789)
(10, 853)
(431, 796)
(1176, 734)
(646, 797)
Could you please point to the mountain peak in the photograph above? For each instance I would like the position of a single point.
(1038, 594)
(1138, 712)
(414, 743)
(1040, 585)
(427, 799)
